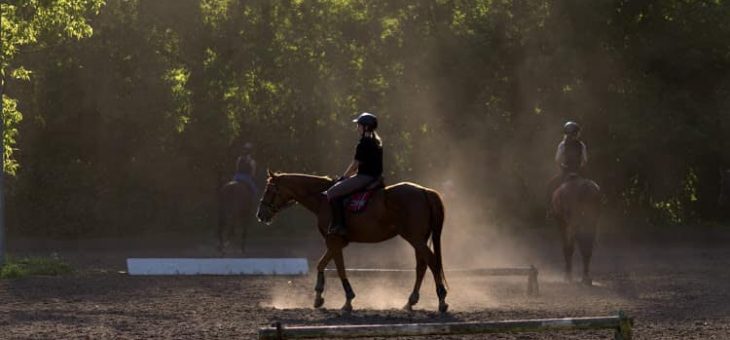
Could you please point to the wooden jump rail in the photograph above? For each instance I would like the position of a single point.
(533, 288)
(620, 323)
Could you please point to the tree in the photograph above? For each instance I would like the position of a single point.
(31, 24)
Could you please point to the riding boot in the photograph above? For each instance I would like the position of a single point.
(549, 204)
(337, 223)
(552, 186)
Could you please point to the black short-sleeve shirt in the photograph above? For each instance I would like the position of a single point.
(369, 153)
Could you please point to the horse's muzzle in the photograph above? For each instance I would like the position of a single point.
(264, 216)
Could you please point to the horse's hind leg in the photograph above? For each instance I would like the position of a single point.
(585, 243)
(421, 259)
(319, 286)
(349, 293)
(430, 259)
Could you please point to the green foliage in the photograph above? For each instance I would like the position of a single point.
(134, 128)
(30, 266)
(34, 23)
(11, 117)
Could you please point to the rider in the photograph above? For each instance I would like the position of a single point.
(571, 156)
(364, 169)
(246, 168)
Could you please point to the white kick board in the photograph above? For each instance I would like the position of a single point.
(217, 266)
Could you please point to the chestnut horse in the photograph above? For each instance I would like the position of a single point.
(236, 203)
(411, 211)
(576, 207)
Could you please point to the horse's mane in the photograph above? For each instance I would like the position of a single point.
(306, 176)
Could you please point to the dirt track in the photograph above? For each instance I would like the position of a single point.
(675, 290)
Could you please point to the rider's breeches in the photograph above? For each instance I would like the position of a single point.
(348, 186)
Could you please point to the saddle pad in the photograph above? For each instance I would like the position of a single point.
(358, 201)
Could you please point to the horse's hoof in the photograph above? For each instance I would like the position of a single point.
(413, 299)
(443, 307)
(408, 307)
(318, 302)
(347, 308)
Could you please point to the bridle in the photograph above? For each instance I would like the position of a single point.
(270, 206)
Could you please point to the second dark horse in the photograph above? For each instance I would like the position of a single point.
(236, 211)
(576, 207)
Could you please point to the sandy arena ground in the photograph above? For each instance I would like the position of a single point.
(675, 287)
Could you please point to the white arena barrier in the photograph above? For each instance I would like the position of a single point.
(217, 266)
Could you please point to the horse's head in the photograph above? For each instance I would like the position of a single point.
(276, 197)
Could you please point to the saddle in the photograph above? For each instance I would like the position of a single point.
(571, 176)
(357, 201)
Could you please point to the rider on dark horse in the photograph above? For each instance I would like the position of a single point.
(246, 168)
(366, 167)
(571, 156)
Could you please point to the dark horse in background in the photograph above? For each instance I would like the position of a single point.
(408, 210)
(576, 207)
(237, 203)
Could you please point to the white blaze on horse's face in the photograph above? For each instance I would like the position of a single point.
(263, 218)
(263, 213)
(271, 202)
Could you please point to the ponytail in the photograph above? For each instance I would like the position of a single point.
(376, 136)
(373, 135)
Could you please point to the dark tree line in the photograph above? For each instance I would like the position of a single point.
(135, 126)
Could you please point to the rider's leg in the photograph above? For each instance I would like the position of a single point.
(336, 195)
(337, 223)
(552, 186)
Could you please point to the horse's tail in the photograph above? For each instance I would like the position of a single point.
(436, 206)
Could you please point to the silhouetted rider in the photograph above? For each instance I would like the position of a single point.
(246, 168)
(571, 157)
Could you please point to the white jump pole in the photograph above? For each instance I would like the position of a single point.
(620, 323)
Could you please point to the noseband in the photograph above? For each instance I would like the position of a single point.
(273, 209)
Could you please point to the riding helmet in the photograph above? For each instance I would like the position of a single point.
(571, 128)
(368, 120)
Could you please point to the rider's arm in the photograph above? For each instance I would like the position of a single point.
(253, 167)
(238, 164)
(560, 153)
(352, 169)
(584, 158)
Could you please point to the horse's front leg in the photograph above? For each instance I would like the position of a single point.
(319, 286)
(568, 248)
(349, 293)
(585, 242)
(244, 222)
(223, 231)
